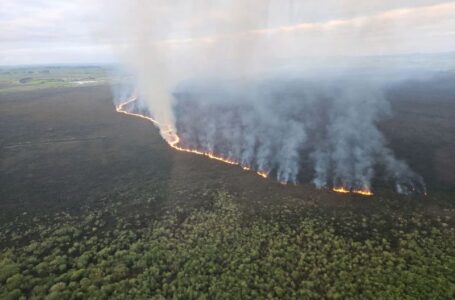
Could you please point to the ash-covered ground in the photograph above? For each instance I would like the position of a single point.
(67, 146)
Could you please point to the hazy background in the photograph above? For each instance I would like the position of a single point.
(54, 32)
(260, 51)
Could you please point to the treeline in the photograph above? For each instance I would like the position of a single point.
(214, 254)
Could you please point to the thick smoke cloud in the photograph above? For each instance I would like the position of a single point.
(272, 86)
(272, 126)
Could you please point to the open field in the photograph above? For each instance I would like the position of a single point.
(81, 184)
(13, 79)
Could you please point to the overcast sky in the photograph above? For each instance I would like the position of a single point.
(77, 31)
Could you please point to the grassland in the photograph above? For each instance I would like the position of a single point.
(38, 77)
(94, 204)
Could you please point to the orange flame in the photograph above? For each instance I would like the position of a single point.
(340, 190)
(363, 191)
(262, 174)
(173, 139)
(121, 109)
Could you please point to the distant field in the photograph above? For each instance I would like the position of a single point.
(28, 78)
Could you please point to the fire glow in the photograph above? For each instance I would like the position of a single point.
(363, 192)
(173, 140)
(343, 190)
(262, 174)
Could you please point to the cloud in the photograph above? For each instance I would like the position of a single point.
(43, 31)
(29, 28)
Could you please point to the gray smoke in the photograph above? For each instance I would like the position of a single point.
(277, 85)
(274, 125)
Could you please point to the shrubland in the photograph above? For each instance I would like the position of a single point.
(218, 252)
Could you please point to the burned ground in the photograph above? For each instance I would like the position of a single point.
(65, 148)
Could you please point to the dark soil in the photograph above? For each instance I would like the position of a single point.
(67, 148)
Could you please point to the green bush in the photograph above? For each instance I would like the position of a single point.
(219, 254)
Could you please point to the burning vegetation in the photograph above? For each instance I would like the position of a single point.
(271, 128)
(173, 139)
(244, 88)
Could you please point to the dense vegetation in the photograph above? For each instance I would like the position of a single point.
(217, 252)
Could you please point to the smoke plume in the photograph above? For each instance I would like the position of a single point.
(269, 87)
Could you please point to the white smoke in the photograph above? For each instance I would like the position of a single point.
(274, 125)
(284, 81)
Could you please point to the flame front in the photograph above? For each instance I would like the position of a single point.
(341, 190)
(173, 140)
(121, 109)
(262, 174)
(364, 191)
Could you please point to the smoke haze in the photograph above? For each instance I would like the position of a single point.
(273, 84)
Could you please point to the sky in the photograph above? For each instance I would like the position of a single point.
(86, 31)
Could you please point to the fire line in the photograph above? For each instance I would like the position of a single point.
(174, 140)
(343, 190)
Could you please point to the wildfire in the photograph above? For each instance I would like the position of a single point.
(121, 109)
(340, 190)
(173, 140)
(343, 190)
(363, 192)
(262, 174)
(208, 154)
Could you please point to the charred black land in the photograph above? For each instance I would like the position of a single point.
(65, 144)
